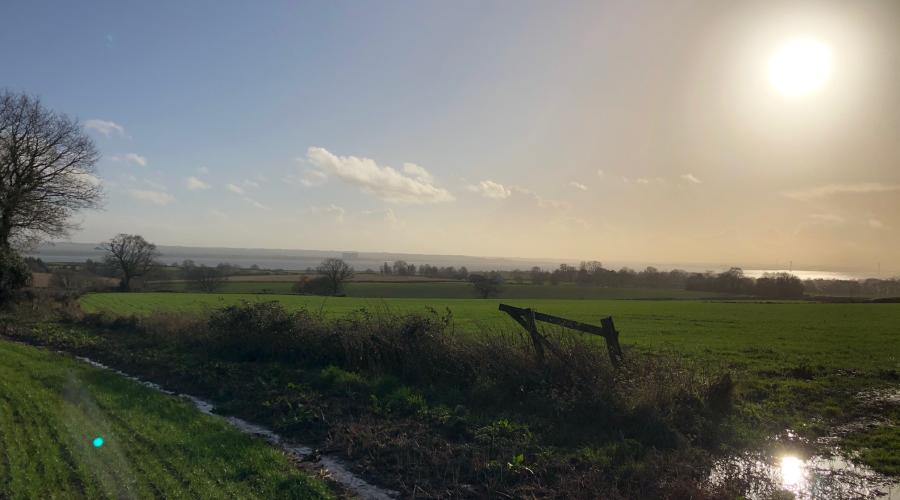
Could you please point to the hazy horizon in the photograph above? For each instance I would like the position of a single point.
(616, 131)
(264, 256)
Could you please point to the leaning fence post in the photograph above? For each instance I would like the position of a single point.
(612, 340)
(535, 336)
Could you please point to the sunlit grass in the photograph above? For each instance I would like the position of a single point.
(52, 409)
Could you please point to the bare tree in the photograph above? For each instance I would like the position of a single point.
(336, 271)
(487, 285)
(131, 255)
(46, 170)
(207, 279)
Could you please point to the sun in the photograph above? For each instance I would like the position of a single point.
(800, 67)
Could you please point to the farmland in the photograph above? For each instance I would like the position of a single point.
(752, 333)
(447, 289)
(52, 408)
(799, 365)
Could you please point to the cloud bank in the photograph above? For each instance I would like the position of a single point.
(491, 189)
(414, 186)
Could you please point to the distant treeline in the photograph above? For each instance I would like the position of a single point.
(732, 282)
(588, 273)
(402, 268)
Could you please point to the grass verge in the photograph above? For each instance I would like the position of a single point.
(52, 408)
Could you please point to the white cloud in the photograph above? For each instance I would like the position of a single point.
(384, 183)
(104, 127)
(578, 185)
(417, 172)
(155, 197)
(234, 189)
(875, 224)
(247, 183)
(643, 180)
(646, 180)
(131, 158)
(834, 189)
(332, 209)
(203, 170)
(600, 172)
(195, 184)
(491, 189)
(691, 178)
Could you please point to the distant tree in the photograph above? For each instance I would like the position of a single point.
(46, 170)
(733, 281)
(518, 276)
(537, 276)
(593, 266)
(36, 265)
(779, 286)
(203, 278)
(131, 256)
(336, 271)
(318, 285)
(462, 273)
(487, 285)
(99, 268)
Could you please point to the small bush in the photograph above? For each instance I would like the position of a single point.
(253, 332)
(320, 285)
(14, 274)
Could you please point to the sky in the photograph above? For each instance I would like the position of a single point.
(629, 131)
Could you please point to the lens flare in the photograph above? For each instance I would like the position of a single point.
(98, 442)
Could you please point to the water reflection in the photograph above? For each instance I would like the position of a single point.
(816, 477)
(793, 474)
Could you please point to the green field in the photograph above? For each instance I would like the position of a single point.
(455, 290)
(156, 446)
(797, 365)
(754, 333)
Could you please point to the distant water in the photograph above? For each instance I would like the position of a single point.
(808, 275)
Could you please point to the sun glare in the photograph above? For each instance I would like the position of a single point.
(800, 67)
(793, 473)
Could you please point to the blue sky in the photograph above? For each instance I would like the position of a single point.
(609, 130)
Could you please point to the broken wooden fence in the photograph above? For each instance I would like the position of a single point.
(528, 319)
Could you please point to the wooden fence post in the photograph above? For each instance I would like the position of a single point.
(528, 319)
(612, 340)
(536, 338)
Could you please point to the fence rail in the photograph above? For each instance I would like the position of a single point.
(528, 319)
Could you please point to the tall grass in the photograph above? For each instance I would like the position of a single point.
(659, 400)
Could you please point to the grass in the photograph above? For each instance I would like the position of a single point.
(456, 290)
(427, 412)
(762, 335)
(52, 407)
(798, 366)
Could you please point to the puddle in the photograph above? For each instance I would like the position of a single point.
(335, 469)
(815, 477)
